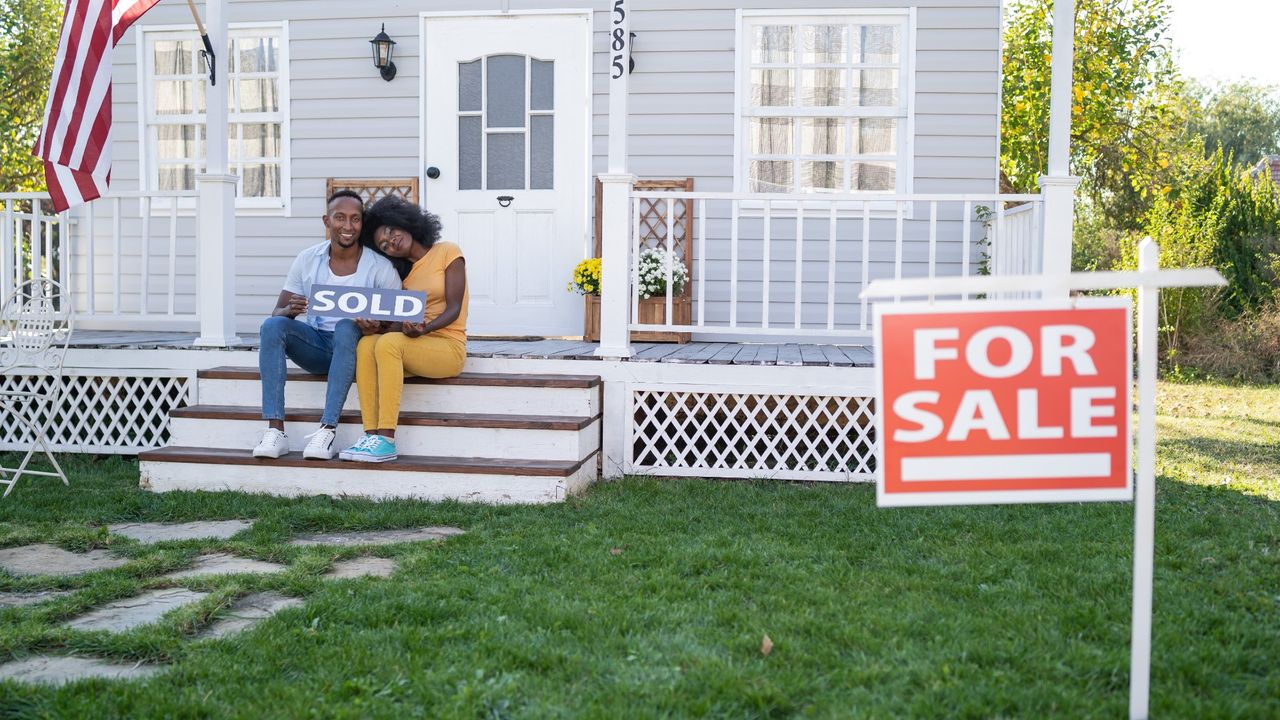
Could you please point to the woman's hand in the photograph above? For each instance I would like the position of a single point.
(369, 327)
(413, 330)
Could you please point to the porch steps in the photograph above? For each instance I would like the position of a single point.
(484, 437)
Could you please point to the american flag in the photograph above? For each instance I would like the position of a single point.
(75, 142)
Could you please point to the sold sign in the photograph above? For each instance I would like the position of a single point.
(368, 303)
(1013, 402)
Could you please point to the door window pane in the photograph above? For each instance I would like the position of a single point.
(541, 152)
(504, 165)
(469, 86)
(470, 152)
(506, 92)
(542, 96)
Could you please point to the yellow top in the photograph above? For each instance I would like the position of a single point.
(428, 275)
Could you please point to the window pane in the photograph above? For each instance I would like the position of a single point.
(176, 142)
(874, 176)
(877, 44)
(773, 44)
(772, 87)
(469, 86)
(542, 152)
(261, 140)
(177, 177)
(771, 176)
(506, 94)
(233, 141)
(258, 54)
(876, 136)
(824, 43)
(771, 136)
(543, 97)
(505, 161)
(173, 57)
(822, 88)
(822, 136)
(875, 88)
(259, 95)
(821, 176)
(470, 152)
(175, 97)
(260, 180)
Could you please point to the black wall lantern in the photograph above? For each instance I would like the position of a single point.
(383, 48)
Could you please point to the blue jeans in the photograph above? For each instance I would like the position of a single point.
(317, 351)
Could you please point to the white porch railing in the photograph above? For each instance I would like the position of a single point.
(127, 260)
(795, 265)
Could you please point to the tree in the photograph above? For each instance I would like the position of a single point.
(1127, 124)
(1241, 118)
(29, 32)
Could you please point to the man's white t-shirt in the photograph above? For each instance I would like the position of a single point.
(327, 322)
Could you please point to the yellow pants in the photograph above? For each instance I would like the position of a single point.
(383, 362)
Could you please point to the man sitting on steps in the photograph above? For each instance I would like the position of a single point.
(319, 345)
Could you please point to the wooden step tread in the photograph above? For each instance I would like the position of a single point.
(405, 463)
(479, 379)
(422, 419)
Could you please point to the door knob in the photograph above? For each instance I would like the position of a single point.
(433, 172)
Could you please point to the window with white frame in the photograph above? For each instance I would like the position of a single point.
(254, 72)
(824, 103)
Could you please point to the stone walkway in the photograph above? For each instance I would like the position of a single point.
(148, 607)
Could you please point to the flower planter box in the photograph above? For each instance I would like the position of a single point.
(652, 310)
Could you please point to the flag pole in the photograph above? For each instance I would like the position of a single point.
(210, 57)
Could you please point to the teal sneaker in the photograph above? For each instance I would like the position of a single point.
(372, 449)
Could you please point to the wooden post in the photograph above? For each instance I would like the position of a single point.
(216, 206)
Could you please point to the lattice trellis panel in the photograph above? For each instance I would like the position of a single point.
(374, 189)
(728, 434)
(107, 413)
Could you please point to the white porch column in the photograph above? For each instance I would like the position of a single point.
(616, 186)
(215, 204)
(1058, 185)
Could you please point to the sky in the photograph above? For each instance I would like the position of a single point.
(1227, 39)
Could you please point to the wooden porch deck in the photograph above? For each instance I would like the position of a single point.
(694, 353)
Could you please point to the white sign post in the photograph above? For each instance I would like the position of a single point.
(1148, 280)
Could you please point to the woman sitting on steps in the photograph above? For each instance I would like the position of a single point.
(434, 348)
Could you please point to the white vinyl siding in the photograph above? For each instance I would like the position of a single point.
(253, 69)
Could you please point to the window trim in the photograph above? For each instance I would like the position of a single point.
(907, 67)
(147, 177)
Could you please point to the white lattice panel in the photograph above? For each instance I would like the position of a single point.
(710, 433)
(100, 413)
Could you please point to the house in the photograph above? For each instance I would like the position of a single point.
(830, 143)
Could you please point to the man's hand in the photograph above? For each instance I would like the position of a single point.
(413, 330)
(369, 327)
(294, 306)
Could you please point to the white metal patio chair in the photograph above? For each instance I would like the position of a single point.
(35, 328)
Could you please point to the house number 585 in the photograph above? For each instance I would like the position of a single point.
(619, 43)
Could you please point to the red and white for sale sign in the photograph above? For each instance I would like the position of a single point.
(1003, 402)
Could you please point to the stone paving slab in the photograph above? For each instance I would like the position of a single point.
(378, 537)
(249, 611)
(164, 532)
(361, 567)
(45, 559)
(136, 611)
(226, 564)
(22, 599)
(57, 669)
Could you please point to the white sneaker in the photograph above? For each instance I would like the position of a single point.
(273, 444)
(320, 445)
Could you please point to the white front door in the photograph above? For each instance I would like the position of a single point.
(506, 121)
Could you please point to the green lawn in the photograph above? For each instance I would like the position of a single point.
(650, 599)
